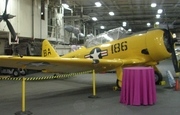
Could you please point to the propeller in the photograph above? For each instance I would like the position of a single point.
(174, 58)
(5, 17)
(171, 42)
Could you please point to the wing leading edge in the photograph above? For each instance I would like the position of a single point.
(65, 65)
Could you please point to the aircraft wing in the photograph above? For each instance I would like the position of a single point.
(65, 65)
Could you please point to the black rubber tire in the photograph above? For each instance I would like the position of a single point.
(16, 73)
(158, 77)
(117, 83)
(23, 72)
(0, 69)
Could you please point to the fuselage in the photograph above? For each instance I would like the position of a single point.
(143, 48)
(147, 45)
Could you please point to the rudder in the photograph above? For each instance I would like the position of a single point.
(48, 50)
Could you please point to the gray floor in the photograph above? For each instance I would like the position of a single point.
(70, 96)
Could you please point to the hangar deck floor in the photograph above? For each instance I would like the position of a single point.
(70, 96)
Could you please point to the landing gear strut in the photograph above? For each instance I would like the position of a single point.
(115, 88)
(158, 77)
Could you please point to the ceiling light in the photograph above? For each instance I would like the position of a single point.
(158, 16)
(153, 5)
(111, 13)
(102, 27)
(98, 4)
(94, 18)
(157, 23)
(124, 23)
(159, 11)
(148, 24)
(130, 30)
(174, 35)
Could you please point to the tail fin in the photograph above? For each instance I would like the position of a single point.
(48, 50)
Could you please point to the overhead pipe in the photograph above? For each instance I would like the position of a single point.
(33, 19)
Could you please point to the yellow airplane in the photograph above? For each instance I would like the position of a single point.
(145, 48)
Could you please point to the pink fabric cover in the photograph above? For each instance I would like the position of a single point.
(138, 86)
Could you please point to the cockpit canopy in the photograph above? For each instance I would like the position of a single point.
(107, 36)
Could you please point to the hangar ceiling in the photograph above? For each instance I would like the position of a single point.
(137, 13)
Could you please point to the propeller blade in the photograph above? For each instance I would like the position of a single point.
(11, 29)
(173, 53)
(175, 62)
(5, 8)
(174, 58)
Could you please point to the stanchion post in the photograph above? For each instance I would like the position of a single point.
(94, 85)
(23, 93)
(23, 112)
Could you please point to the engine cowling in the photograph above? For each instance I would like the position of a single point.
(157, 44)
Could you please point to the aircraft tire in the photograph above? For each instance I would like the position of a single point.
(23, 72)
(16, 73)
(158, 77)
(117, 84)
(115, 88)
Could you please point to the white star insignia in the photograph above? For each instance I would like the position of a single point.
(95, 54)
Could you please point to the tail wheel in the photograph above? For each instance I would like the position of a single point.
(158, 77)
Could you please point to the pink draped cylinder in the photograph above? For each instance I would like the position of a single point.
(138, 86)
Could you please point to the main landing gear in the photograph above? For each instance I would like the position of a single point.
(117, 87)
(158, 78)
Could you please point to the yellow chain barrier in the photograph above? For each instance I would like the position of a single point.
(47, 77)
